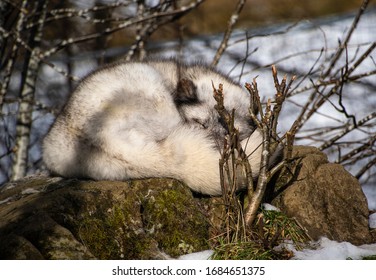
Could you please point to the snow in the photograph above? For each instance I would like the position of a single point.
(203, 255)
(269, 207)
(326, 249)
(323, 249)
(370, 192)
(372, 220)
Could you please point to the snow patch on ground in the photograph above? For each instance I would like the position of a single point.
(326, 249)
(203, 255)
(372, 220)
(269, 207)
(323, 249)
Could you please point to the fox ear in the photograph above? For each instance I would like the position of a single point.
(186, 93)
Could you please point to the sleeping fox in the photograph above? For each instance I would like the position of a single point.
(149, 119)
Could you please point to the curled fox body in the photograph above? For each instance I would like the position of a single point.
(149, 119)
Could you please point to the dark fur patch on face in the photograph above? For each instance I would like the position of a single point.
(186, 93)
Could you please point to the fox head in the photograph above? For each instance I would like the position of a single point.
(194, 99)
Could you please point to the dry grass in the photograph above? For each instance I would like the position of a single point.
(270, 229)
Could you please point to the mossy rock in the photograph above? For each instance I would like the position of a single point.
(167, 215)
(52, 218)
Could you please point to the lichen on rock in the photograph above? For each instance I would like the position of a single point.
(167, 215)
(73, 219)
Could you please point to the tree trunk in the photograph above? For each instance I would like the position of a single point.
(27, 92)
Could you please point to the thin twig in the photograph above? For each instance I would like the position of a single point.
(342, 47)
(226, 37)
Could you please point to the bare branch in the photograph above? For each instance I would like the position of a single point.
(130, 22)
(226, 37)
(365, 168)
(268, 126)
(349, 128)
(347, 39)
(11, 61)
(24, 117)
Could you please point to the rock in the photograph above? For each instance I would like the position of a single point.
(325, 199)
(54, 218)
(51, 218)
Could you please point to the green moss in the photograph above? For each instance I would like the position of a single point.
(115, 234)
(151, 216)
(140, 219)
(97, 235)
(175, 221)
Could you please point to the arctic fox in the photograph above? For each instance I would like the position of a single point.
(149, 119)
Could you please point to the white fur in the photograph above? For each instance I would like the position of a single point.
(122, 122)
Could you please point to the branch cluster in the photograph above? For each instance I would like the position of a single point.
(234, 166)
